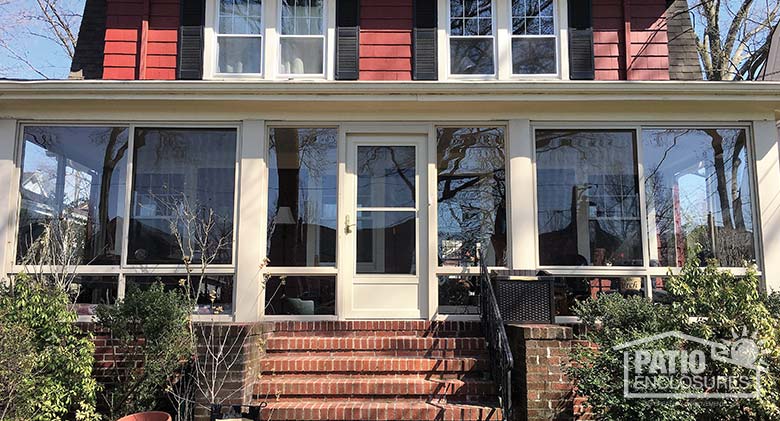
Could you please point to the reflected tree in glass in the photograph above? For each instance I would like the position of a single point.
(471, 195)
(698, 191)
(72, 191)
(302, 197)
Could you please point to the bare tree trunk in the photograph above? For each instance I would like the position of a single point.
(720, 174)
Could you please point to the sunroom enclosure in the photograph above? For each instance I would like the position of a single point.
(370, 219)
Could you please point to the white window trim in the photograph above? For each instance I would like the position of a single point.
(494, 37)
(502, 44)
(215, 44)
(271, 54)
(556, 36)
(323, 36)
(123, 269)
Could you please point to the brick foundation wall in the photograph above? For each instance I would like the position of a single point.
(541, 389)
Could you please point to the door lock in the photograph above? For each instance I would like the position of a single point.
(347, 225)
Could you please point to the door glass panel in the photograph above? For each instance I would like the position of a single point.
(386, 176)
(386, 242)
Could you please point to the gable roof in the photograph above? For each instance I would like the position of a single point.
(683, 57)
(88, 56)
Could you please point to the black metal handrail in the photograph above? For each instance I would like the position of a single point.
(501, 361)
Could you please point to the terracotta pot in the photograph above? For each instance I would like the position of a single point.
(147, 416)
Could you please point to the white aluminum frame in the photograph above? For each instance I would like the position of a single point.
(124, 269)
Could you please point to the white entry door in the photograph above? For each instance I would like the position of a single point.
(384, 227)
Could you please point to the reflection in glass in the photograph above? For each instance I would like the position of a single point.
(386, 242)
(75, 176)
(240, 16)
(698, 191)
(302, 197)
(214, 292)
(533, 55)
(179, 172)
(471, 56)
(89, 291)
(471, 195)
(386, 176)
(569, 291)
(239, 55)
(458, 294)
(588, 198)
(302, 17)
(300, 295)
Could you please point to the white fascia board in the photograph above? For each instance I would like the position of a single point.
(541, 91)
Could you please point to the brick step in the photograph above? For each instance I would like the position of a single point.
(421, 328)
(365, 364)
(385, 410)
(373, 343)
(383, 385)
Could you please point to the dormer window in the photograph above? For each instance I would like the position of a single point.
(472, 39)
(302, 37)
(240, 37)
(534, 45)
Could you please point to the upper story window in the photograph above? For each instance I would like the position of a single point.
(534, 44)
(472, 37)
(240, 36)
(302, 37)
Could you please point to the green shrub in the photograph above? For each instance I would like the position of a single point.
(54, 358)
(706, 302)
(150, 336)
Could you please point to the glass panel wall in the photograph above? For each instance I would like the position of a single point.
(302, 212)
(697, 184)
(73, 184)
(178, 175)
(588, 198)
(471, 196)
(214, 293)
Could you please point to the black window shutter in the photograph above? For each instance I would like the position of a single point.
(190, 63)
(347, 39)
(581, 62)
(424, 41)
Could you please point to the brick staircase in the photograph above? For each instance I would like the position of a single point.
(376, 370)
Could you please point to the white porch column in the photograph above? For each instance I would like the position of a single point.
(767, 158)
(522, 215)
(7, 197)
(250, 244)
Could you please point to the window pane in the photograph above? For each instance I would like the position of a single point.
(458, 294)
(302, 197)
(698, 191)
(180, 174)
(471, 56)
(301, 55)
(240, 17)
(300, 295)
(471, 196)
(386, 242)
(588, 198)
(89, 291)
(214, 292)
(386, 176)
(73, 179)
(570, 291)
(307, 14)
(240, 55)
(533, 56)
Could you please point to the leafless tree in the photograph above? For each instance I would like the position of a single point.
(53, 256)
(27, 24)
(733, 36)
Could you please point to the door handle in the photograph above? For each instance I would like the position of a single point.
(347, 225)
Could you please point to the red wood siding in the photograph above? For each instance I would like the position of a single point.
(141, 39)
(629, 40)
(386, 40)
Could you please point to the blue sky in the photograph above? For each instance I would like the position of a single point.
(25, 37)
